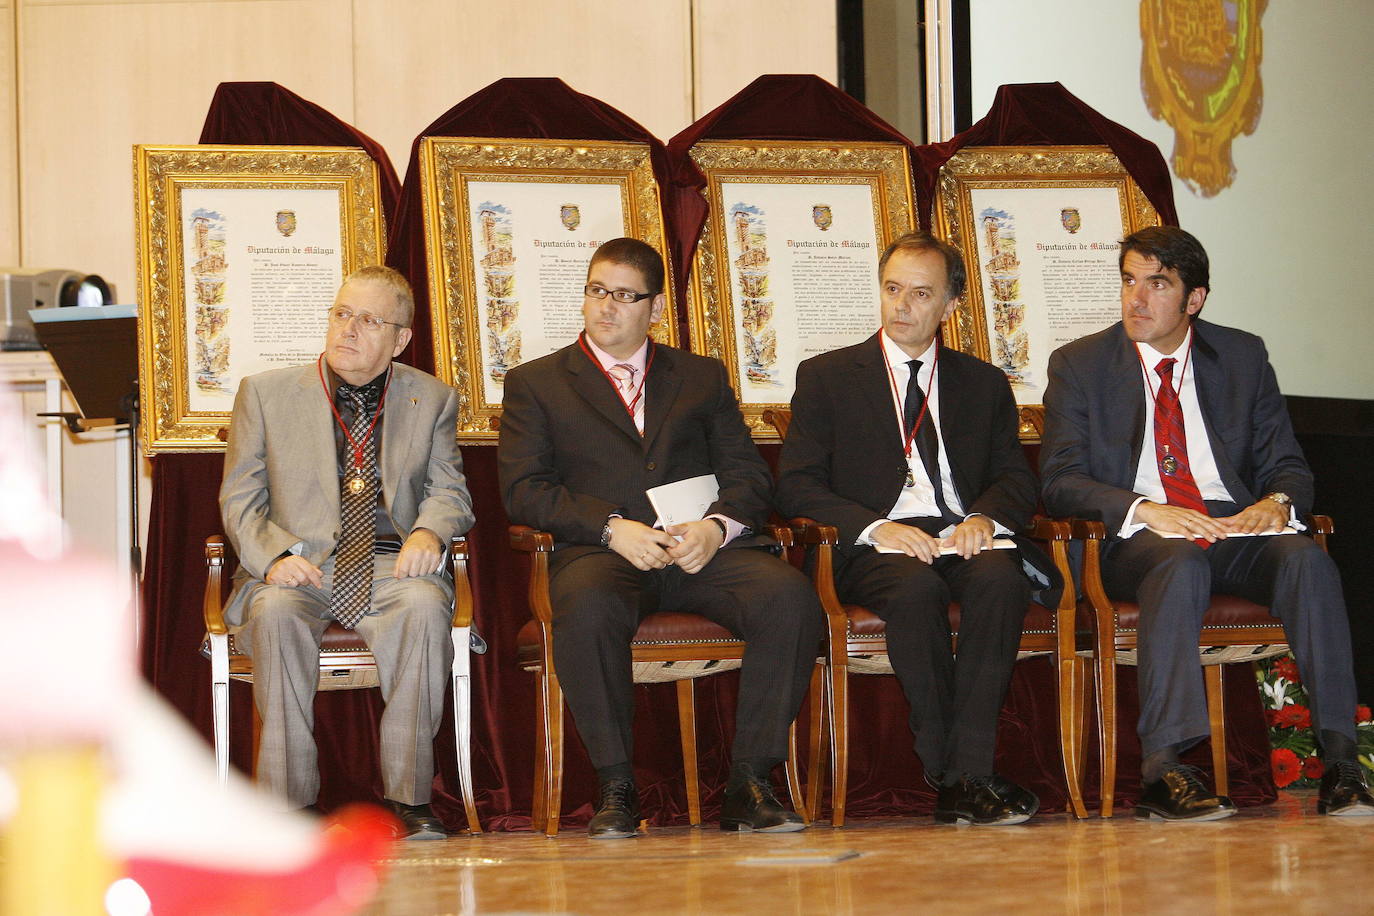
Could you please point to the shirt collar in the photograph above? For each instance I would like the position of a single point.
(897, 357)
(1151, 357)
(635, 361)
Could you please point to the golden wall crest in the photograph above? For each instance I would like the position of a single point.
(1199, 71)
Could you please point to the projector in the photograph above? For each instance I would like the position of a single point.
(23, 288)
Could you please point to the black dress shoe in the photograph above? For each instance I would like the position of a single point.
(984, 801)
(617, 811)
(752, 806)
(1181, 795)
(417, 822)
(1344, 791)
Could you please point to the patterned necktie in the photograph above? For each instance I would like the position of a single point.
(926, 445)
(1171, 446)
(352, 592)
(624, 375)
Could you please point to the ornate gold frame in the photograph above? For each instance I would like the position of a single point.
(160, 173)
(1020, 167)
(883, 166)
(447, 166)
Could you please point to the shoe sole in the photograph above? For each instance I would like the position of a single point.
(741, 827)
(1351, 811)
(427, 835)
(1148, 814)
(613, 835)
(958, 819)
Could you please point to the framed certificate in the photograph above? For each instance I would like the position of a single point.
(240, 252)
(1040, 230)
(510, 227)
(787, 265)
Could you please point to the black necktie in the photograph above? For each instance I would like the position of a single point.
(352, 591)
(927, 445)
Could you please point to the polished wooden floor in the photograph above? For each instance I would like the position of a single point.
(1277, 859)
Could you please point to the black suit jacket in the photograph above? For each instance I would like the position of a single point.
(569, 455)
(1095, 423)
(843, 462)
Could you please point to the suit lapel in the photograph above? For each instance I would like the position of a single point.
(1210, 389)
(1125, 396)
(660, 391)
(875, 388)
(588, 381)
(316, 433)
(953, 385)
(398, 434)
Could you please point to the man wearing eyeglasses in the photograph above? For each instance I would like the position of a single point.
(585, 432)
(342, 486)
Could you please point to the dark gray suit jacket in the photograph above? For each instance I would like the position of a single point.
(569, 454)
(1095, 423)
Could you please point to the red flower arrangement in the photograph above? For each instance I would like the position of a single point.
(1287, 769)
(1285, 667)
(1313, 768)
(1362, 713)
(1293, 716)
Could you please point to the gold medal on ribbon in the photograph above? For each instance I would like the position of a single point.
(355, 483)
(910, 478)
(1169, 465)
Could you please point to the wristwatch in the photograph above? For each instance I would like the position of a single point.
(606, 533)
(1283, 499)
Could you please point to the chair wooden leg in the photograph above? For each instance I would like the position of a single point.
(219, 698)
(1216, 719)
(555, 755)
(1106, 728)
(539, 806)
(687, 725)
(793, 776)
(1072, 699)
(257, 740)
(815, 763)
(462, 722)
(839, 742)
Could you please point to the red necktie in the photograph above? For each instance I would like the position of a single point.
(1171, 446)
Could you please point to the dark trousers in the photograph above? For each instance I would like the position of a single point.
(955, 700)
(1173, 580)
(599, 598)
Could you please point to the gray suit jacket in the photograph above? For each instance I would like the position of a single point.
(1095, 423)
(281, 480)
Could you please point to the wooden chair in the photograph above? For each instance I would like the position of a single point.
(668, 646)
(857, 643)
(1233, 630)
(346, 663)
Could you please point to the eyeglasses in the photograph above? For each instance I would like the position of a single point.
(342, 316)
(597, 291)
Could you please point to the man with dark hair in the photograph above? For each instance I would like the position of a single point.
(585, 432)
(911, 450)
(342, 487)
(1172, 431)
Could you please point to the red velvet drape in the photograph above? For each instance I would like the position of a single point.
(885, 775)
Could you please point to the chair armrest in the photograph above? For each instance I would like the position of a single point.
(811, 533)
(782, 534)
(1050, 529)
(462, 586)
(1321, 527)
(1088, 530)
(530, 540)
(213, 606)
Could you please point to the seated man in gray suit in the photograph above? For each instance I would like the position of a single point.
(1171, 430)
(584, 433)
(342, 487)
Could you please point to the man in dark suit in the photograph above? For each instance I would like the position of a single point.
(585, 432)
(342, 486)
(911, 451)
(1172, 431)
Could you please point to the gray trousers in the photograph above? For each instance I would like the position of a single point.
(408, 630)
(1173, 581)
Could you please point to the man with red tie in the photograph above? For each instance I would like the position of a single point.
(1172, 431)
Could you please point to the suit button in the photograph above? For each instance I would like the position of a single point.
(650, 466)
